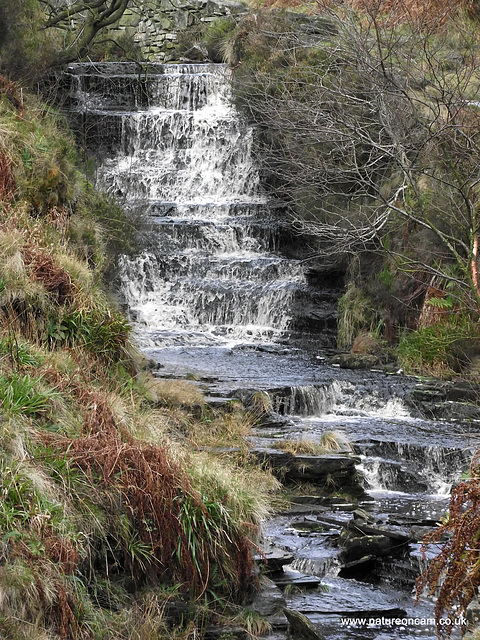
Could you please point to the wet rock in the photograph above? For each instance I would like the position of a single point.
(358, 361)
(306, 507)
(308, 523)
(357, 547)
(461, 391)
(300, 626)
(309, 500)
(269, 603)
(296, 579)
(273, 558)
(331, 471)
(395, 533)
(440, 400)
(361, 514)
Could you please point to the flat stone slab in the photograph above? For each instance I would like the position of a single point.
(217, 402)
(326, 469)
(273, 558)
(297, 579)
(358, 547)
(390, 531)
(269, 603)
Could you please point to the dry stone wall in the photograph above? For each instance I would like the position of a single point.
(155, 24)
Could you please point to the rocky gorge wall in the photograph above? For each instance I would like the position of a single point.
(154, 25)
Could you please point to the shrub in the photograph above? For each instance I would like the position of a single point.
(444, 348)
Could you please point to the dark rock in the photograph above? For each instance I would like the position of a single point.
(460, 411)
(300, 626)
(457, 400)
(297, 579)
(196, 53)
(460, 391)
(309, 500)
(395, 533)
(361, 514)
(219, 402)
(230, 633)
(330, 471)
(273, 558)
(308, 523)
(269, 603)
(355, 548)
(273, 421)
(304, 508)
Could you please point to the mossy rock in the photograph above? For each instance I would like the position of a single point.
(358, 361)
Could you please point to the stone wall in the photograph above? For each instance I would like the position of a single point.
(155, 24)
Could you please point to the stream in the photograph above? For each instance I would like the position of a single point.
(216, 297)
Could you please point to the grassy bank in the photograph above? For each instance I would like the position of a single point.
(112, 523)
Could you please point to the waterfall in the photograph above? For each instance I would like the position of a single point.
(172, 146)
(339, 397)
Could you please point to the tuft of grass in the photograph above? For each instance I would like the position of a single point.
(330, 442)
(357, 313)
(260, 403)
(254, 624)
(175, 393)
(19, 394)
(334, 441)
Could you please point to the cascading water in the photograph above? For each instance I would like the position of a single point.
(213, 295)
(183, 156)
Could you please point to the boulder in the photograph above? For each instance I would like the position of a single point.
(361, 546)
(300, 626)
(269, 602)
(358, 361)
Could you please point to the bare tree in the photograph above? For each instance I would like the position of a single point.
(39, 34)
(81, 21)
(372, 133)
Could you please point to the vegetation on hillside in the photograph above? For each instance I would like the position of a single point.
(106, 515)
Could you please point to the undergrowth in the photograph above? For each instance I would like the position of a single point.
(443, 349)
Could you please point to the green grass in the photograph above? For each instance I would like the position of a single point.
(445, 349)
(20, 394)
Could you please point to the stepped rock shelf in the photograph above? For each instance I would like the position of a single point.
(217, 296)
